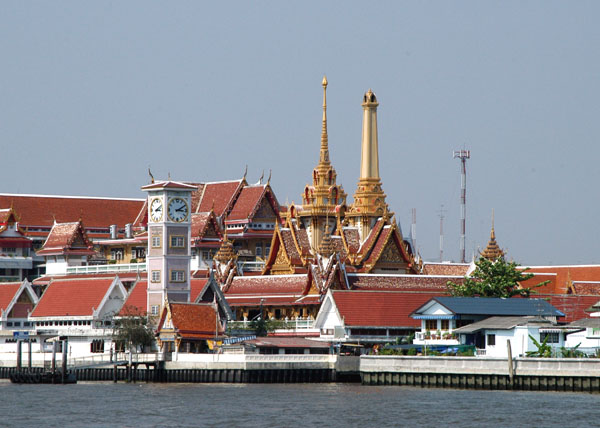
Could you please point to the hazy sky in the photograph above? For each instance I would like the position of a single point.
(94, 92)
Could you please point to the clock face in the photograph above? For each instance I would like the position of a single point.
(156, 210)
(178, 209)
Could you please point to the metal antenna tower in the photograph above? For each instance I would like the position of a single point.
(463, 155)
(441, 215)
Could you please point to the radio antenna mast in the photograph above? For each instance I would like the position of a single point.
(441, 215)
(463, 155)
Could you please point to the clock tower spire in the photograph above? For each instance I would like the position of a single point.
(169, 232)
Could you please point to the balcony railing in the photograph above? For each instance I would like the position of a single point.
(250, 266)
(420, 336)
(126, 267)
(293, 324)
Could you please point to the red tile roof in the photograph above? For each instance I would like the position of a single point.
(123, 276)
(194, 320)
(7, 293)
(41, 210)
(67, 238)
(200, 225)
(290, 246)
(218, 196)
(268, 285)
(137, 301)
(587, 288)
(379, 308)
(196, 287)
(247, 203)
(571, 305)
(72, 297)
(401, 282)
(565, 275)
(452, 269)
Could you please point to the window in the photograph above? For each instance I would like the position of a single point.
(116, 253)
(267, 250)
(431, 325)
(97, 346)
(154, 310)
(139, 253)
(259, 252)
(177, 276)
(9, 250)
(177, 241)
(491, 340)
(445, 325)
(205, 255)
(155, 276)
(156, 242)
(552, 337)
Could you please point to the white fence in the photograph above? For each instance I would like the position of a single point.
(114, 268)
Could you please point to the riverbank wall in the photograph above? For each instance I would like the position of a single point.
(529, 374)
(534, 374)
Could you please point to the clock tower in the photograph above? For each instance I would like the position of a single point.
(169, 233)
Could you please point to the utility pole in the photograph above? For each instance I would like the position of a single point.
(413, 231)
(441, 216)
(463, 155)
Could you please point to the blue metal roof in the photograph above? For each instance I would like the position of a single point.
(497, 306)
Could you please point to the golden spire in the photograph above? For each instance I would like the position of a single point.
(324, 156)
(369, 199)
(492, 251)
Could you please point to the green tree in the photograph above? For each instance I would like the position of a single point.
(497, 278)
(543, 349)
(134, 331)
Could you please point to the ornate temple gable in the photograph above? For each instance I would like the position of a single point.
(205, 226)
(283, 253)
(9, 218)
(65, 238)
(389, 252)
(267, 209)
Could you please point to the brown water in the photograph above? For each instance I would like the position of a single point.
(92, 405)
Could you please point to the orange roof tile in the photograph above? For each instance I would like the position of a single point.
(194, 320)
(67, 238)
(401, 282)
(72, 297)
(567, 274)
(7, 293)
(43, 210)
(247, 203)
(219, 196)
(379, 308)
(136, 301)
(453, 269)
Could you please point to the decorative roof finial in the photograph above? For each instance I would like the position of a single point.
(269, 179)
(261, 177)
(245, 173)
(324, 158)
(150, 174)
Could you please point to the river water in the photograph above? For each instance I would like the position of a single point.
(97, 404)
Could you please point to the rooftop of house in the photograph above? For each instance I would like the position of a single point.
(95, 212)
(72, 297)
(504, 323)
(379, 308)
(490, 306)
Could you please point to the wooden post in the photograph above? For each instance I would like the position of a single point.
(53, 360)
(115, 373)
(64, 360)
(511, 372)
(29, 355)
(19, 356)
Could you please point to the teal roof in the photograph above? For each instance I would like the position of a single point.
(490, 306)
